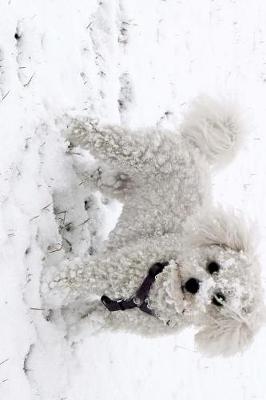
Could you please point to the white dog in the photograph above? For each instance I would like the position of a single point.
(173, 259)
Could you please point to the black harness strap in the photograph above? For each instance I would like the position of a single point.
(140, 300)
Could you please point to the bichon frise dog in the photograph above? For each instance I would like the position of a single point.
(173, 259)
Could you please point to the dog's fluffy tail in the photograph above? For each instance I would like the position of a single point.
(215, 128)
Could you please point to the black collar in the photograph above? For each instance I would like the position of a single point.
(140, 299)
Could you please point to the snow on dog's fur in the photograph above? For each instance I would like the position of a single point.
(163, 180)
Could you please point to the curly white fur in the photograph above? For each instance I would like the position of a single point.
(163, 180)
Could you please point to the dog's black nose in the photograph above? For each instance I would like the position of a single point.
(192, 285)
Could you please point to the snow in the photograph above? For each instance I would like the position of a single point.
(136, 63)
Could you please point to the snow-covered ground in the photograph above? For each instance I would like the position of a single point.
(137, 63)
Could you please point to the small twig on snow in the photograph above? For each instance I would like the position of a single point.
(5, 95)
(84, 222)
(48, 205)
(33, 218)
(2, 362)
(29, 81)
(89, 25)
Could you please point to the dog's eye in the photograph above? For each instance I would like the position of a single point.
(218, 299)
(213, 267)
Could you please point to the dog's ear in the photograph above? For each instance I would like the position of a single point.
(225, 336)
(229, 332)
(217, 227)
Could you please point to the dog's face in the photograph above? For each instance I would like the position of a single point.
(226, 279)
(221, 284)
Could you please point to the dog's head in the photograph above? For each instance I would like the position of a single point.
(221, 283)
